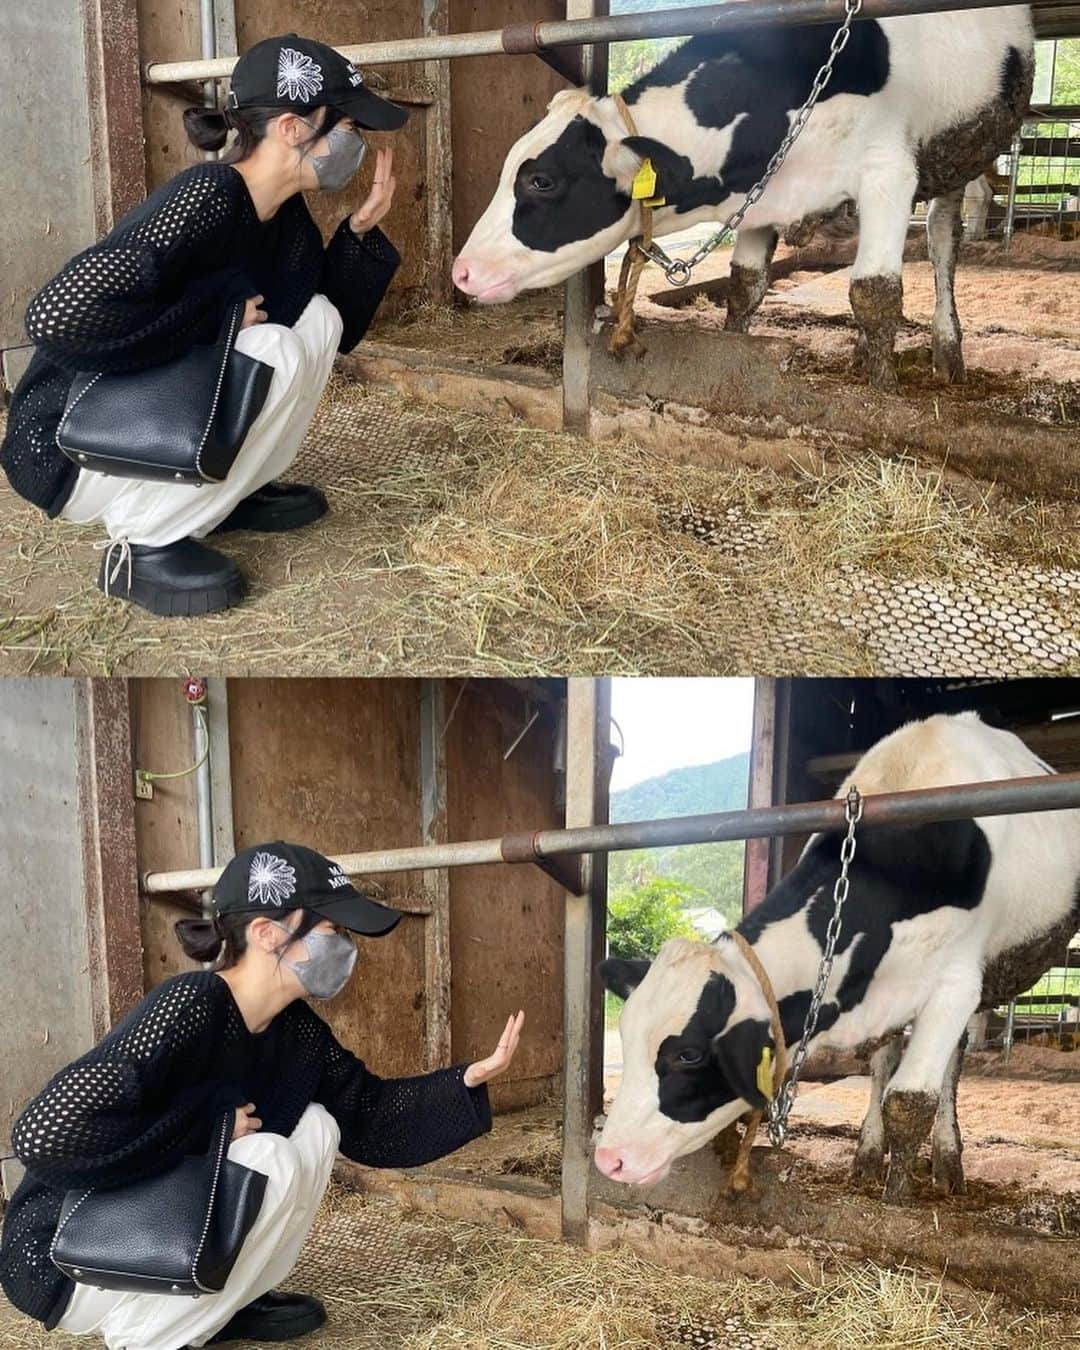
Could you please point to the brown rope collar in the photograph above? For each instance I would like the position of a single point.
(740, 1174)
(633, 264)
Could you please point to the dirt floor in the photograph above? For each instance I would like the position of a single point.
(932, 532)
(1021, 315)
(468, 543)
(394, 1280)
(430, 1281)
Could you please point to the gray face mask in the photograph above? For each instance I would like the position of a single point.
(345, 151)
(331, 959)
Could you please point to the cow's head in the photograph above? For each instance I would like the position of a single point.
(693, 1031)
(563, 201)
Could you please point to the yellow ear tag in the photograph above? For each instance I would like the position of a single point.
(765, 1074)
(644, 182)
(644, 187)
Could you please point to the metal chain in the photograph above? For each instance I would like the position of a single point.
(781, 1104)
(678, 270)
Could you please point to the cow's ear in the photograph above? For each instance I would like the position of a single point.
(621, 163)
(622, 977)
(674, 172)
(739, 1053)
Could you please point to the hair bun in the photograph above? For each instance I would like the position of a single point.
(206, 128)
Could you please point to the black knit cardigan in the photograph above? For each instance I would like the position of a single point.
(155, 1087)
(162, 280)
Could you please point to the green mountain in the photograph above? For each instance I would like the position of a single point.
(686, 792)
(712, 873)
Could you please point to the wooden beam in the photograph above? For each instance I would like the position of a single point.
(588, 776)
(762, 757)
(438, 1047)
(105, 773)
(584, 291)
(114, 99)
(438, 157)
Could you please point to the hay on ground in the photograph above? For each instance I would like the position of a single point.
(421, 1282)
(466, 544)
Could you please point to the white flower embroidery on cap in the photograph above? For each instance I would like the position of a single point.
(298, 76)
(271, 880)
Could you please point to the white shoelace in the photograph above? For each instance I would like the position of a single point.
(125, 557)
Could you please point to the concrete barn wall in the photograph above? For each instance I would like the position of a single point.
(45, 997)
(46, 188)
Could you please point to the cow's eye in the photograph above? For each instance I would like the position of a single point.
(689, 1057)
(540, 182)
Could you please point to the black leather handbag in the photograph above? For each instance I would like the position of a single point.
(177, 1233)
(182, 422)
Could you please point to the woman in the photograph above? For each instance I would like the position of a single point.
(238, 1037)
(164, 278)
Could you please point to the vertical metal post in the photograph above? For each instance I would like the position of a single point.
(436, 880)
(762, 769)
(585, 291)
(1014, 174)
(588, 772)
(1010, 1028)
(225, 27)
(221, 808)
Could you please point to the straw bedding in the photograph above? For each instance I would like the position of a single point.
(468, 544)
(425, 1283)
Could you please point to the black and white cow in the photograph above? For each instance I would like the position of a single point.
(936, 915)
(917, 107)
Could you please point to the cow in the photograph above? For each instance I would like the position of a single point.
(939, 918)
(916, 108)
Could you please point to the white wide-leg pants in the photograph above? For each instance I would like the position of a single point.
(298, 1169)
(162, 513)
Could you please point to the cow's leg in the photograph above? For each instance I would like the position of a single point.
(869, 1164)
(877, 289)
(749, 276)
(911, 1099)
(948, 1170)
(978, 196)
(944, 230)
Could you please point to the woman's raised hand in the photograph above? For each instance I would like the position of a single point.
(380, 198)
(252, 313)
(246, 1121)
(499, 1060)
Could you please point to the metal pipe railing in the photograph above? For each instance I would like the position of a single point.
(1052, 792)
(527, 38)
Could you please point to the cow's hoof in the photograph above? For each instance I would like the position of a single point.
(740, 1183)
(948, 1173)
(880, 374)
(899, 1185)
(737, 323)
(948, 363)
(868, 1166)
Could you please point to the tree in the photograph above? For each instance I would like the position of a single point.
(640, 921)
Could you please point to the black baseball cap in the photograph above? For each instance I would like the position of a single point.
(292, 71)
(275, 878)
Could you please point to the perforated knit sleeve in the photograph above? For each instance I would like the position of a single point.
(147, 291)
(399, 1122)
(98, 1122)
(357, 272)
